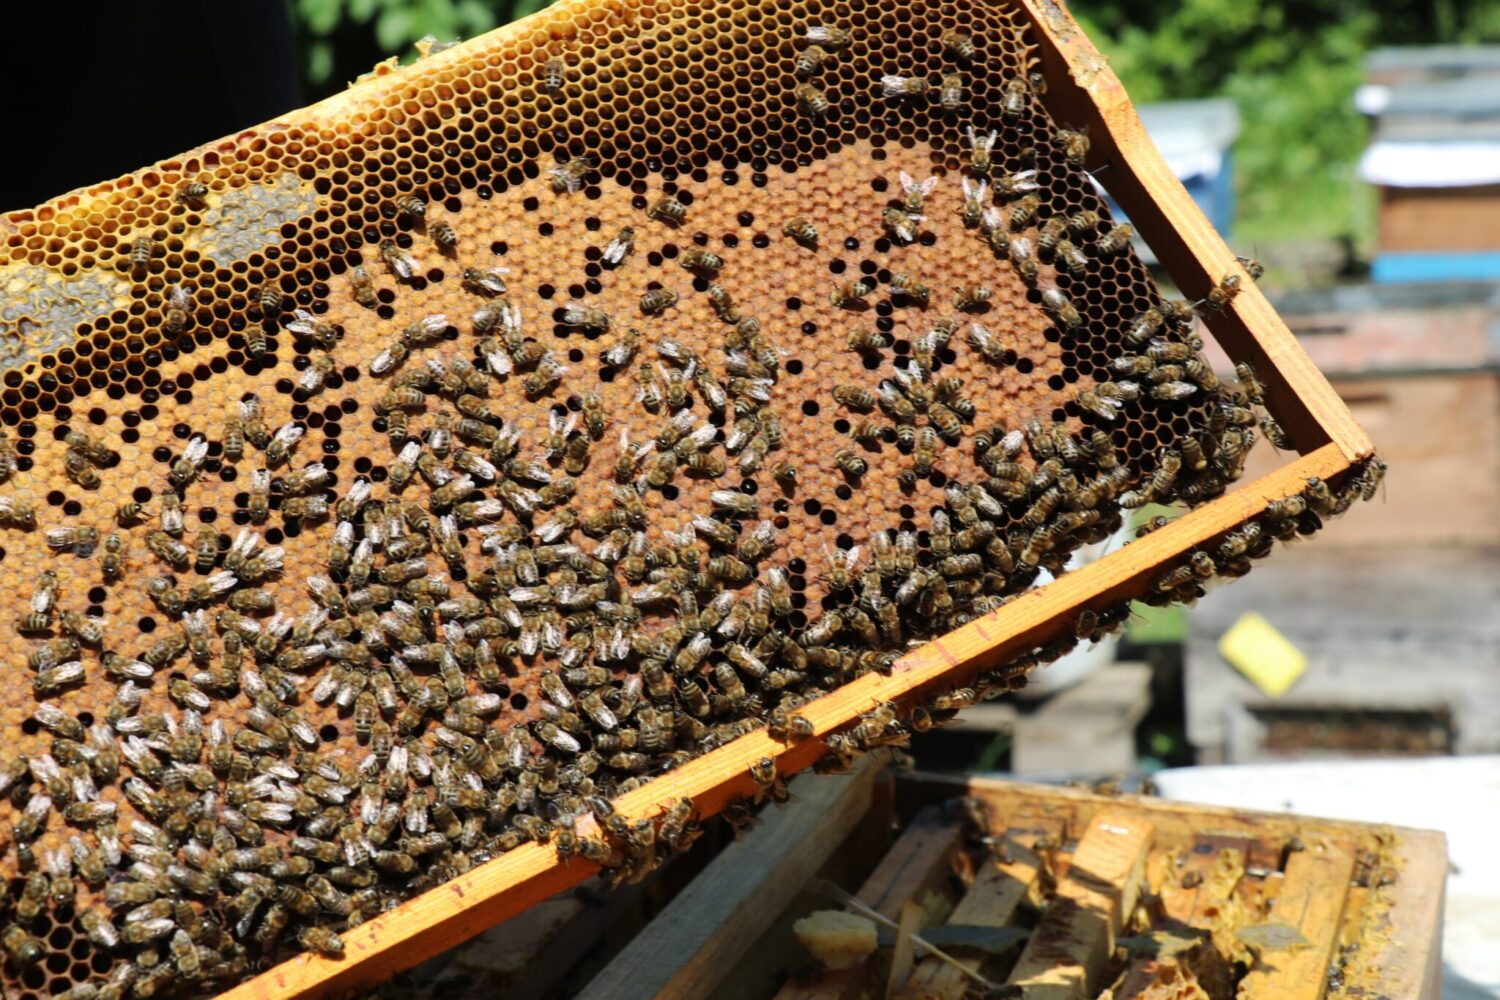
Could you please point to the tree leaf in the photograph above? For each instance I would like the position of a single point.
(394, 29)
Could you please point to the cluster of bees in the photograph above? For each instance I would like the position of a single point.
(478, 565)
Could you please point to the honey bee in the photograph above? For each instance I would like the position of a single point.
(900, 224)
(445, 236)
(1221, 294)
(305, 324)
(569, 177)
(112, 562)
(363, 287)
(701, 261)
(1274, 434)
(827, 35)
(914, 193)
(282, 442)
(1173, 390)
(1114, 241)
(80, 470)
(850, 293)
(401, 264)
(1014, 100)
(1069, 258)
(253, 421)
(981, 150)
(1051, 235)
(411, 206)
(734, 502)
(1023, 258)
(553, 75)
(316, 374)
(256, 344)
(976, 197)
(802, 230)
(850, 463)
(1057, 303)
(81, 540)
(899, 87)
(812, 100)
(185, 469)
(192, 194)
(855, 397)
(585, 318)
(1100, 406)
(1075, 146)
(951, 92)
(317, 938)
(141, 252)
(986, 343)
(911, 288)
(668, 210)
(809, 60)
(485, 281)
(972, 297)
(23, 949)
(723, 303)
(179, 302)
(657, 301)
(620, 247)
(1021, 183)
(169, 549)
(868, 340)
(1250, 382)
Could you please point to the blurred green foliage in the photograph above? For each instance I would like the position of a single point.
(343, 38)
(1292, 67)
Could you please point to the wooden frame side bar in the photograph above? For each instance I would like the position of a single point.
(1083, 90)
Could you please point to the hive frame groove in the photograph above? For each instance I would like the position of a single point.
(1328, 439)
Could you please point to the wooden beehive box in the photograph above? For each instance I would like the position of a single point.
(145, 311)
(1070, 894)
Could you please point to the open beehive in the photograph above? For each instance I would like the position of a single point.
(509, 612)
(1037, 891)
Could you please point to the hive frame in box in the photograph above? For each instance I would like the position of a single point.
(1082, 91)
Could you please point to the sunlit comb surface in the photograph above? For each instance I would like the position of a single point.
(418, 472)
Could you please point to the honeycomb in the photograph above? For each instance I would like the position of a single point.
(388, 292)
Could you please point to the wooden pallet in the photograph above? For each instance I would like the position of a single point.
(1082, 91)
(1087, 877)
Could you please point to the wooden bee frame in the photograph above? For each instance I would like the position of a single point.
(1082, 91)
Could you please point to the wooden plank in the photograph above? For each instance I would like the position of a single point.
(1014, 803)
(915, 864)
(1406, 959)
(1064, 960)
(698, 937)
(998, 891)
(1190, 895)
(1190, 249)
(1312, 900)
